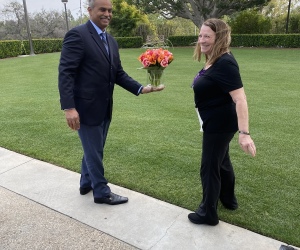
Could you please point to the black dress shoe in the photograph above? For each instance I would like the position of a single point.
(197, 219)
(84, 191)
(282, 247)
(112, 199)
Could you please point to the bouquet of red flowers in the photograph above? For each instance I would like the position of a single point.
(155, 61)
(156, 58)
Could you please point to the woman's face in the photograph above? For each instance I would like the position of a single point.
(206, 39)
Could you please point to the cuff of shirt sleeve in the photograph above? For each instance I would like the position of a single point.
(140, 90)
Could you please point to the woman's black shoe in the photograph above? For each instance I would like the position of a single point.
(197, 219)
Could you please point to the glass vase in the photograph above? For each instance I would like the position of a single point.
(155, 76)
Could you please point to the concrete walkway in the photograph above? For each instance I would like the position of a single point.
(41, 208)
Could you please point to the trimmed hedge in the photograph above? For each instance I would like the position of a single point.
(130, 42)
(45, 45)
(247, 40)
(13, 48)
(181, 41)
(10, 49)
(269, 41)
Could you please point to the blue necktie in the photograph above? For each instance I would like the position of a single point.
(103, 38)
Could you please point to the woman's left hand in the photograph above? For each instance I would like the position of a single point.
(247, 144)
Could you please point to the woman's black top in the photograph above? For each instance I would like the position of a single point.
(211, 91)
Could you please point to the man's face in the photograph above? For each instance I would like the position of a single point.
(101, 14)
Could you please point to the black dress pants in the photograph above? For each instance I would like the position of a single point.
(92, 170)
(217, 175)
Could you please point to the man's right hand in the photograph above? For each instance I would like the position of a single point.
(72, 118)
(149, 88)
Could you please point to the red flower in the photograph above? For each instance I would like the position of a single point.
(156, 57)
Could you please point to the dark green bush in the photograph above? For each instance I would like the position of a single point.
(43, 46)
(15, 48)
(10, 48)
(250, 22)
(130, 42)
(269, 41)
(46, 45)
(180, 41)
(251, 40)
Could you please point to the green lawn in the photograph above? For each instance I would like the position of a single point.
(154, 143)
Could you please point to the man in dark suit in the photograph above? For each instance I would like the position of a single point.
(89, 67)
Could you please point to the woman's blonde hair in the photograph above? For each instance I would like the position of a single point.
(222, 42)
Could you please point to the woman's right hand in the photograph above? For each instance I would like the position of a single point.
(247, 144)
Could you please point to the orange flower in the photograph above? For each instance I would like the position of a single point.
(156, 57)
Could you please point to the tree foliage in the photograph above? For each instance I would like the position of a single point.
(294, 26)
(14, 27)
(196, 10)
(269, 19)
(250, 22)
(277, 10)
(126, 19)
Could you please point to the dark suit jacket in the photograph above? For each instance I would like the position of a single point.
(87, 74)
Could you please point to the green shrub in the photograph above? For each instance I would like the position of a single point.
(269, 41)
(247, 40)
(43, 46)
(250, 22)
(16, 48)
(130, 42)
(180, 41)
(294, 23)
(10, 49)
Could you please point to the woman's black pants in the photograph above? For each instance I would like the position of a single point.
(217, 175)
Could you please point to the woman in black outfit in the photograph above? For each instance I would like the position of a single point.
(222, 105)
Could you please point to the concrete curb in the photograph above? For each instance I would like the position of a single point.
(66, 220)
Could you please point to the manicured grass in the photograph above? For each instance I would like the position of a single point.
(154, 143)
